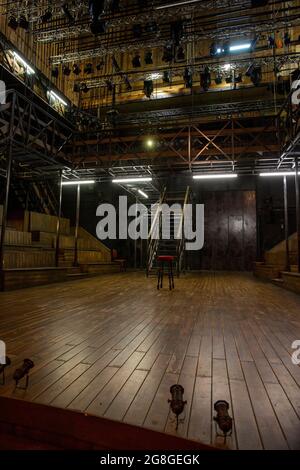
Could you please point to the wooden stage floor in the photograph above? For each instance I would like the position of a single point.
(113, 345)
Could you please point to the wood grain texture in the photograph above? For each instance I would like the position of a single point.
(113, 345)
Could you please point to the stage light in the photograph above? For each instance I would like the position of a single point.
(177, 403)
(150, 143)
(239, 47)
(46, 16)
(167, 76)
(3, 367)
(76, 88)
(218, 79)
(84, 88)
(137, 31)
(255, 74)
(99, 66)
(98, 27)
(12, 23)
(56, 97)
(55, 72)
(238, 78)
(67, 13)
(223, 419)
(76, 69)
(88, 69)
(180, 54)
(151, 27)
(132, 180)
(205, 79)
(167, 54)
(143, 194)
(227, 67)
(148, 58)
(66, 70)
(148, 88)
(136, 61)
(210, 176)
(23, 62)
(286, 39)
(24, 23)
(22, 372)
(77, 182)
(278, 173)
(188, 78)
(229, 79)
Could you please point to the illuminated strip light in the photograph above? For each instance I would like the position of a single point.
(23, 62)
(278, 173)
(131, 180)
(215, 176)
(57, 97)
(76, 182)
(143, 194)
(239, 47)
(177, 4)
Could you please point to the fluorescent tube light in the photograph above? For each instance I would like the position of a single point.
(131, 180)
(239, 47)
(76, 182)
(23, 62)
(278, 173)
(215, 176)
(142, 193)
(57, 97)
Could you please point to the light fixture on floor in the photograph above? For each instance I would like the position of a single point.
(3, 367)
(22, 372)
(210, 176)
(222, 418)
(177, 403)
(131, 180)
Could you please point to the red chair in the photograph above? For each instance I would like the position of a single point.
(162, 260)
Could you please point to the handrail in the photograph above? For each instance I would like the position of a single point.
(153, 242)
(180, 233)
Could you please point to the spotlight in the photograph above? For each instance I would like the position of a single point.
(148, 58)
(67, 13)
(98, 27)
(176, 32)
(188, 78)
(66, 70)
(151, 27)
(24, 23)
(166, 77)
(76, 88)
(2, 368)
(12, 23)
(88, 69)
(168, 54)
(286, 39)
(99, 66)
(23, 372)
(229, 78)
(136, 61)
(214, 49)
(176, 403)
(180, 54)
(55, 72)
(85, 88)
(222, 418)
(271, 41)
(76, 69)
(137, 30)
(218, 79)
(46, 16)
(110, 85)
(148, 88)
(238, 78)
(255, 74)
(205, 79)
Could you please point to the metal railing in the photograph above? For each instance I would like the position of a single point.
(180, 250)
(154, 233)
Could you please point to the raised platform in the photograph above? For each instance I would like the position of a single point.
(54, 428)
(291, 281)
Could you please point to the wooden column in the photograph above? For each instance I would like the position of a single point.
(297, 210)
(286, 225)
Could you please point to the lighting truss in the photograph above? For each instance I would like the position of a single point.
(155, 43)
